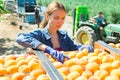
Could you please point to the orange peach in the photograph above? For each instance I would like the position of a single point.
(92, 67)
(3, 70)
(30, 57)
(95, 59)
(10, 63)
(34, 64)
(57, 64)
(111, 78)
(87, 74)
(37, 72)
(5, 78)
(24, 68)
(115, 72)
(20, 58)
(116, 64)
(43, 77)
(94, 78)
(76, 68)
(21, 62)
(2, 60)
(64, 70)
(108, 59)
(18, 76)
(101, 74)
(12, 69)
(29, 78)
(81, 78)
(73, 75)
(69, 63)
(10, 57)
(106, 66)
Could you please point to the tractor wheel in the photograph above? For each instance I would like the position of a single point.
(85, 35)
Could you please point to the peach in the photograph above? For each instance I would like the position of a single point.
(73, 75)
(87, 74)
(24, 68)
(34, 64)
(18, 76)
(81, 78)
(101, 74)
(12, 69)
(57, 64)
(5, 78)
(77, 68)
(2, 60)
(10, 57)
(3, 70)
(64, 70)
(69, 63)
(116, 64)
(10, 63)
(94, 78)
(43, 77)
(29, 78)
(108, 59)
(92, 67)
(115, 72)
(21, 62)
(106, 66)
(111, 78)
(37, 72)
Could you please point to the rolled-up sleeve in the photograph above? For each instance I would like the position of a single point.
(31, 39)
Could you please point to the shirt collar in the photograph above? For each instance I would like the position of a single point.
(48, 36)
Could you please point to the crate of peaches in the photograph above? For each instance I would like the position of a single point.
(97, 65)
(14, 67)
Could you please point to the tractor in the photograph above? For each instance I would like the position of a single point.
(87, 32)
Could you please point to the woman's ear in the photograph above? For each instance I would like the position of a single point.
(47, 17)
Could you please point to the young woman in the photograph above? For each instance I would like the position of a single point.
(50, 39)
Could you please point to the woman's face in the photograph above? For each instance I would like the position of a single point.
(56, 19)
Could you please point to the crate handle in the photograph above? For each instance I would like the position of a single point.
(107, 51)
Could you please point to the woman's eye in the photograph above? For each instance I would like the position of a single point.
(56, 18)
(63, 18)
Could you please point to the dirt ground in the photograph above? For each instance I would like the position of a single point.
(9, 29)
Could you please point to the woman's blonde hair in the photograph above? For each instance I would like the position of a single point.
(49, 10)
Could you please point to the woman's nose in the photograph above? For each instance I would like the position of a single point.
(60, 21)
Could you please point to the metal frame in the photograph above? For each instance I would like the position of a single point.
(48, 66)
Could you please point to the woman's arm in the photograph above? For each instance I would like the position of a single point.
(32, 40)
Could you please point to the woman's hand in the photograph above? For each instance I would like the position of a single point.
(56, 54)
(88, 47)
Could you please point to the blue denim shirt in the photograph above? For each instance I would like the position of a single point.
(35, 38)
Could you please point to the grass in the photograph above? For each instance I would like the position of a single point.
(108, 7)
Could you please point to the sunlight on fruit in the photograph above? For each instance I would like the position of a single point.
(12, 69)
(18, 76)
(43, 77)
(73, 75)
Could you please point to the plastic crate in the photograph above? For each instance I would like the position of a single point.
(110, 50)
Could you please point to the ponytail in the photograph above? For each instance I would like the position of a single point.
(44, 22)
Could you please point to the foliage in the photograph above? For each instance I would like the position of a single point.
(2, 10)
(106, 6)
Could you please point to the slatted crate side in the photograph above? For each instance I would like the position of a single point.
(110, 50)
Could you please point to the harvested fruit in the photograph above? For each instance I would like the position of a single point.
(98, 65)
(18, 76)
(43, 77)
(12, 69)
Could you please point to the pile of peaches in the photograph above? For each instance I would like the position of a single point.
(21, 68)
(98, 65)
(117, 45)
